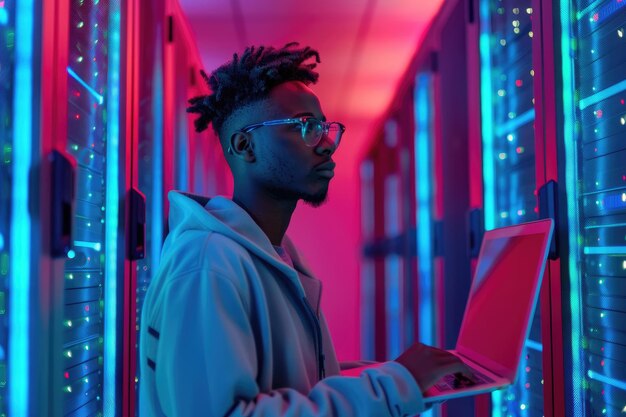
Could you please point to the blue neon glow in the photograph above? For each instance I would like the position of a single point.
(590, 7)
(92, 245)
(605, 226)
(608, 10)
(84, 84)
(605, 250)
(20, 258)
(571, 156)
(423, 157)
(157, 164)
(1, 242)
(514, 124)
(607, 380)
(531, 344)
(4, 16)
(617, 88)
(489, 201)
(423, 139)
(112, 201)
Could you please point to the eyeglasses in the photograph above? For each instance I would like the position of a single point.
(311, 129)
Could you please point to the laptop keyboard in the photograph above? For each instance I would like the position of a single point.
(455, 381)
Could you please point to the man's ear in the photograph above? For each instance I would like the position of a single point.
(240, 146)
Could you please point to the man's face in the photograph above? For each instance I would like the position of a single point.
(285, 167)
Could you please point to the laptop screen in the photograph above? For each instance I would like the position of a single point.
(503, 293)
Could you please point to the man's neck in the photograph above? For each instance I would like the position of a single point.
(271, 215)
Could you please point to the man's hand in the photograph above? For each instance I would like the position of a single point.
(428, 364)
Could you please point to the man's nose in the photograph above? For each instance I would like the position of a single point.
(326, 146)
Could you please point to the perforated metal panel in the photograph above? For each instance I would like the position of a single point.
(91, 268)
(593, 48)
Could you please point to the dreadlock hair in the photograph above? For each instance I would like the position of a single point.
(249, 78)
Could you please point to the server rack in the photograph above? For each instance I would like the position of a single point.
(593, 169)
(93, 294)
(388, 226)
(509, 162)
(170, 71)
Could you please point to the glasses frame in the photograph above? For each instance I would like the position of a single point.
(302, 122)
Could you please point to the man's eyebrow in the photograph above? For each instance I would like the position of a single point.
(309, 115)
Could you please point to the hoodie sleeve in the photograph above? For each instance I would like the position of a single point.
(205, 364)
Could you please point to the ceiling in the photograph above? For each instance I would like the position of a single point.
(365, 47)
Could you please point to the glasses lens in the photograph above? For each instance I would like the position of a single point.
(335, 131)
(312, 131)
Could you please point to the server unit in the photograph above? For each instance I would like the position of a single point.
(592, 166)
(509, 162)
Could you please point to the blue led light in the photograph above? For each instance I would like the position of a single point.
(515, 123)
(605, 250)
(587, 9)
(84, 84)
(1, 242)
(20, 258)
(489, 205)
(92, 245)
(423, 157)
(531, 344)
(607, 380)
(4, 16)
(616, 88)
(111, 220)
(424, 192)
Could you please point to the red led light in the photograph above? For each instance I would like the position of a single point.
(598, 113)
(77, 116)
(77, 93)
(87, 307)
(621, 101)
(602, 362)
(518, 83)
(528, 369)
(66, 375)
(596, 17)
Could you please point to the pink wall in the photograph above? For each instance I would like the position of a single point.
(328, 236)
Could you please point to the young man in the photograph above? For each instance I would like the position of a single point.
(231, 323)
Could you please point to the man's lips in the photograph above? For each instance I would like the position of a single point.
(326, 169)
(326, 166)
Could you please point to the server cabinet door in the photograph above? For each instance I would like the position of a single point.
(94, 266)
(593, 168)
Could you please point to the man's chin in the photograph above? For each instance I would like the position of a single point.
(315, 200)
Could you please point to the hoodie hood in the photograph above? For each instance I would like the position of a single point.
(224, 216)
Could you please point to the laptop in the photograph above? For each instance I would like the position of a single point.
(499, 310)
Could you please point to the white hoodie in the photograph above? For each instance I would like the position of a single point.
(227, 330)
